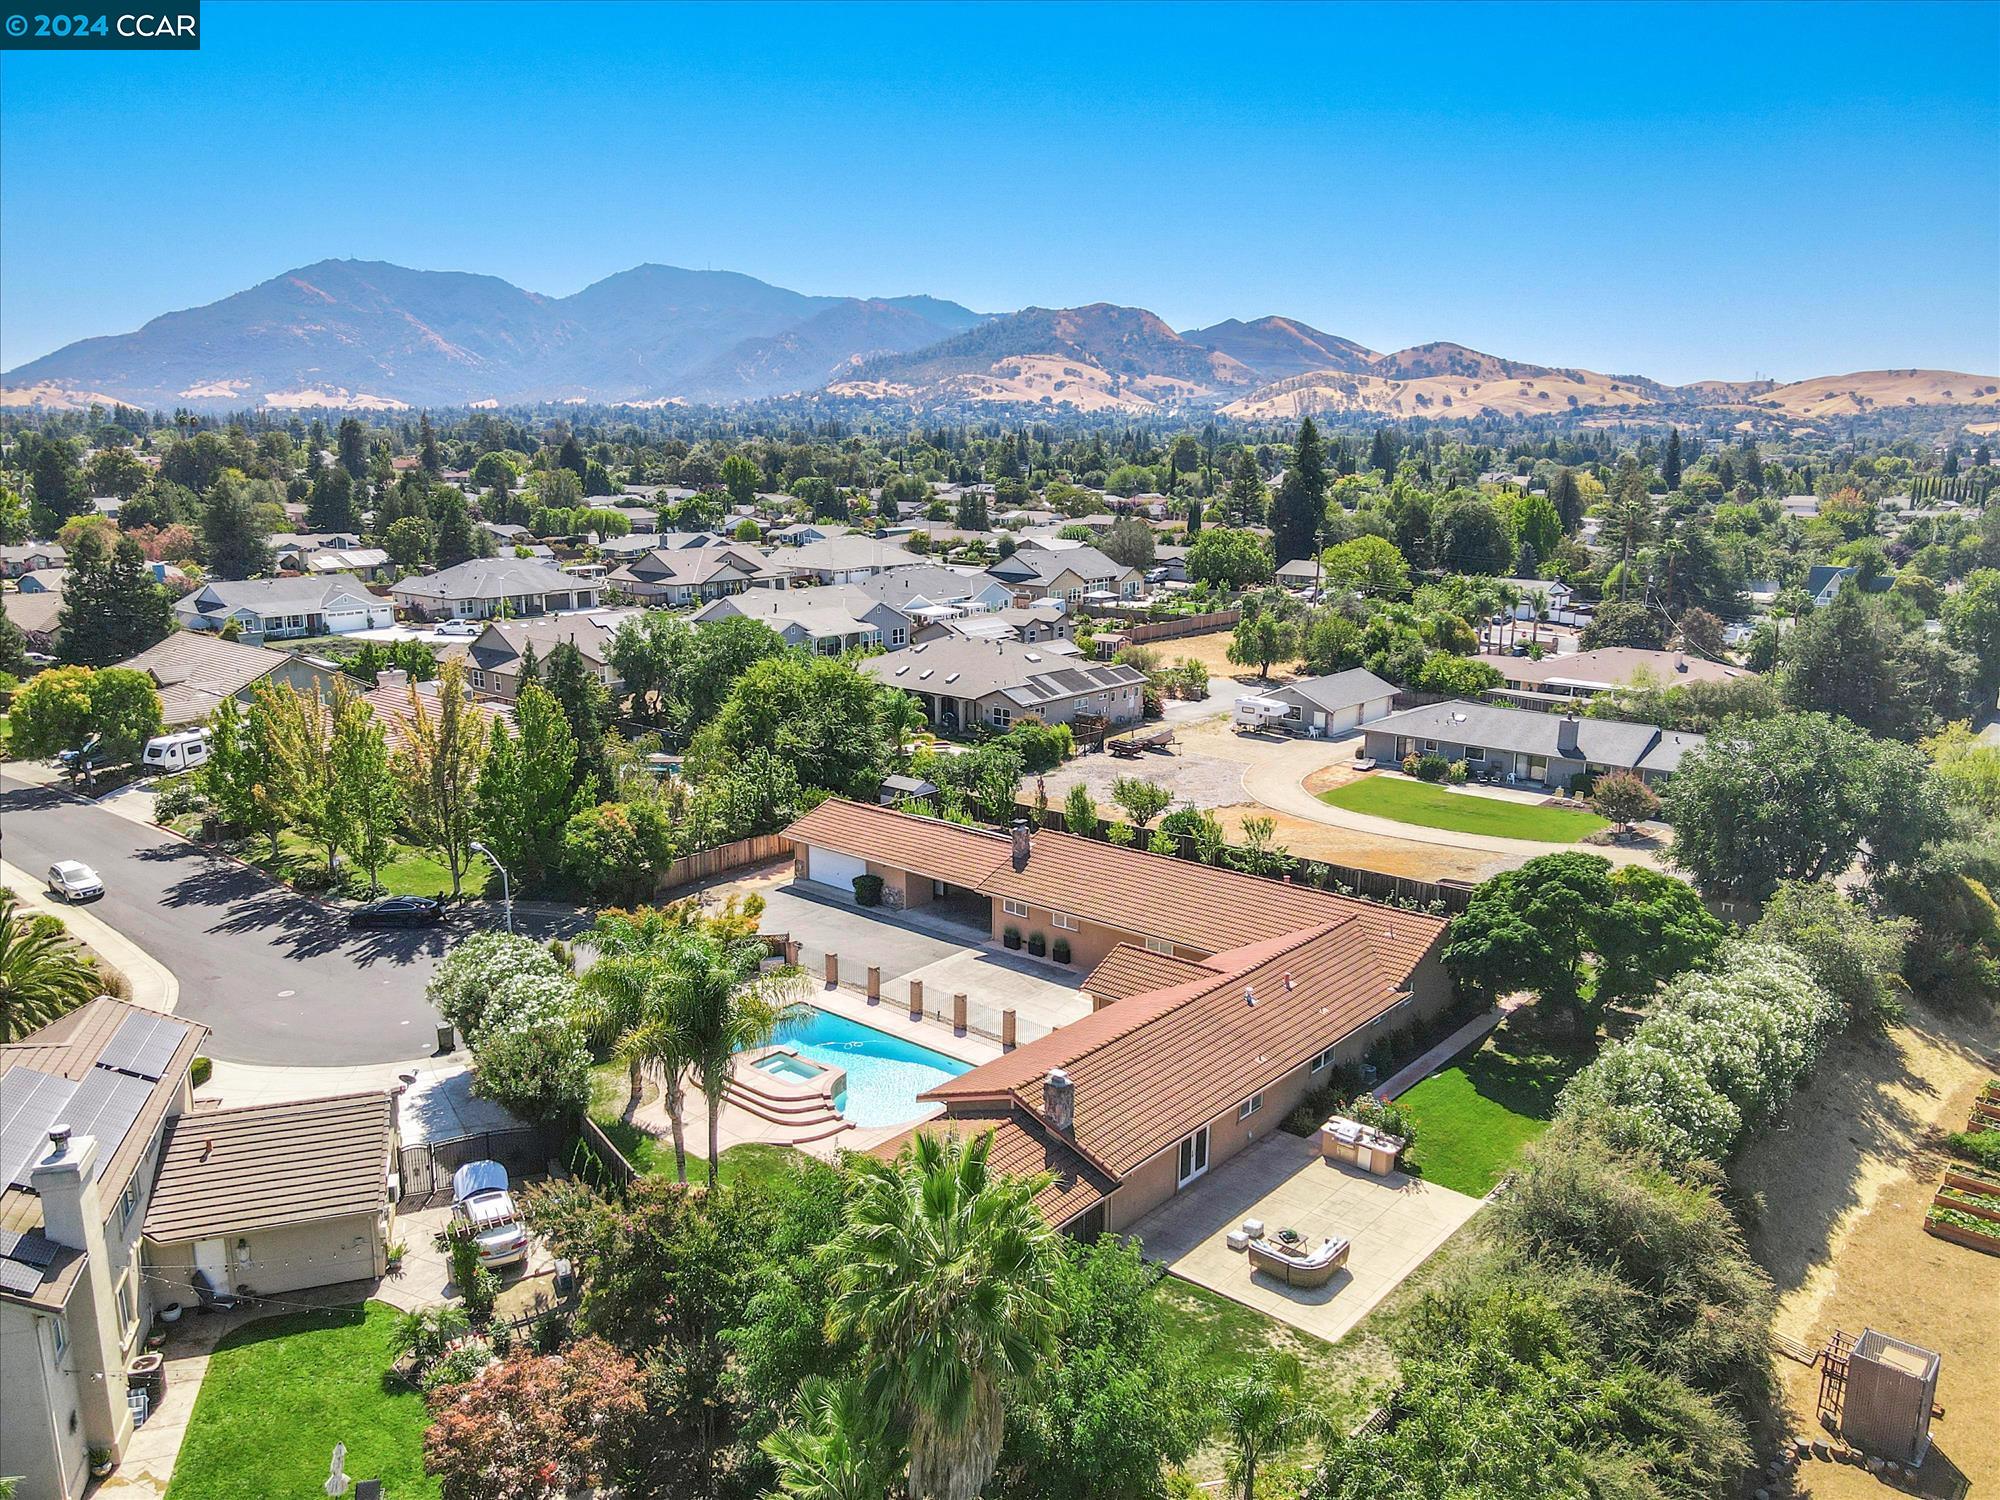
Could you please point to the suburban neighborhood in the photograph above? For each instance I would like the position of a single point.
(668, 888)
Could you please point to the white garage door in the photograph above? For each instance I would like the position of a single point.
(829, 867)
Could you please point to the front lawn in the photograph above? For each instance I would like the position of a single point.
(1430, 806)
(1473, 1118)
(280, 1392)
(409, 872)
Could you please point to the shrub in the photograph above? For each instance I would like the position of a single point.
(1622, 798)
(1060, 950)
(1119, 834)
(1457, 773)
(540, 1072)
(178, 796)
(1433, 768)
(868, 890)
(200, 1071)
(472, 973)
(459, 1365)
(1037, 944)
(1383, 1115)
(1410, 763)
(1043, 747)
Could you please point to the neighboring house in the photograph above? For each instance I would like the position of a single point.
(921, 590)
(493, 658)
(276, 1198)
(366, 563)
(289, 545)
(1300, 573)
(25, 557)
(1585, 674)
(695, 575)
(195, 672)
(36, 616)
(1825, 580)
(486, 587)
(964, 682)
(1222, 999)
(87, 1102)
(507, 532)
(1538, 594)
(644, 519)
(43, 581)
(1070, 573)
(826, 620)
(1170, 563)
(1046, 623)
(1540, 748)
(843, 559)
(286, 608)
(1333, 705)
(389, 700)
(941, 534)
(801, 532)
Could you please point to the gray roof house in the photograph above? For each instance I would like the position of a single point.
(493, 658)
(1528, 746)
(962, 682)
(1332, 705)
(286, 608)
(1825, 580)
(843, 559)
(490, 586)
(17, 558)
(929, 587)
(826, 620)
(693, 575)
(1045, 622)
(194, 671)
(1068, 573)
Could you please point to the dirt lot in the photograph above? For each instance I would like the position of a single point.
(1212, 651)
(1844, 1191)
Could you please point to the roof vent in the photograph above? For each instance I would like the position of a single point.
(59, 1137)
(1249, 994)
(1288, 979)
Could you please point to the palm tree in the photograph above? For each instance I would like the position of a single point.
(836, 1448)
(42, 973)
(941, 1270)
(902, 716)
(1265, 1414)
(630, 1003)
(724, 1006)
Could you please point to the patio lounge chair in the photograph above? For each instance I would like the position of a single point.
(212, 1291)
(1303, 1268)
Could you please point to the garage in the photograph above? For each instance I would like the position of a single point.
(831, 867)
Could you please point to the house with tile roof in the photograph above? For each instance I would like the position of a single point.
(962, 681)
(195, 671)
(1220, 999)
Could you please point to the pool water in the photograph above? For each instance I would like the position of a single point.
(784, 1065)
(884, 1073)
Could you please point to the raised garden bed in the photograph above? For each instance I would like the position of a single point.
(1960, 1228)
(1979, 1205)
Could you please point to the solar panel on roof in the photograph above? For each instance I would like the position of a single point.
(30, 1102)
(28, 1246)
(104, 1106)
(143, 1045)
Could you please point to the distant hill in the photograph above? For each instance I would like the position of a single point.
(370, 335)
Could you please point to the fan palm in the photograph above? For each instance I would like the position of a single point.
(902, 716)
(724, 1006)
(630, 1002)
(836, 1449)
(42, 973)
(1265, 1414)
(942, 1271)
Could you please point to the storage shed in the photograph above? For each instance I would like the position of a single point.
(1890, 1388)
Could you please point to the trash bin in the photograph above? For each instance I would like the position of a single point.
(447, 1039)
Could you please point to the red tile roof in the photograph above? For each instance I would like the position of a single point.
(1023, 1145)
(1131, 970)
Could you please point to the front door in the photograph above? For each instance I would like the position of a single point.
(213, 1256)
(1194, 1156)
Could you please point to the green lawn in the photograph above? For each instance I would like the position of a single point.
(652, 1155)
(1430, 806)
(1473, 1118)
(280, 1392)
(410, 872)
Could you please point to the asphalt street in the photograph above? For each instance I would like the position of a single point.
(276, 978)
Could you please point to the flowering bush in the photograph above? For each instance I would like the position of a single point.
(467, 982)
(1717, 1059)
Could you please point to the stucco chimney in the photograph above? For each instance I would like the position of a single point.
(1020, 843)
(1059, 1101)
(1566, 737)
(392, 677)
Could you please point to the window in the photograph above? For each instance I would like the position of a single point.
(1323, 1061)
(1159, 945)
(1249, 1106)
(476, 677)
(1430, 747)
(59, 1330)
(898, 635)
(128, 1204)
(1193, 1157)
(1014, 908)
(128, 1312)
(1063, 920)
(1004, 717)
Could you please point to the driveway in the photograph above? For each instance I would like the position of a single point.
(275, 977)
(1393, 1224)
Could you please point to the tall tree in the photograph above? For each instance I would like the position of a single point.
(528, 787)
(330, 503)
(439, 770)
(1243, 503)
(234, 536)
(364, 782)
(585, 703)
(112, 607)
(726, 1006)
(1629, 516)
(353, 447)
(56, 485)
(1300, 509)
(300, 772)
(1670, 466)
(1264, 1414)
(941, 1271)
(428, 457)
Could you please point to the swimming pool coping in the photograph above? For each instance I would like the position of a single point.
(894, 1020)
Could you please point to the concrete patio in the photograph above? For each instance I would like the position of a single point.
(1394, 1224)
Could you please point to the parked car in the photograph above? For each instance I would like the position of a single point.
(398, 911)
(460, 627)
(479, 1196)
(72, 880)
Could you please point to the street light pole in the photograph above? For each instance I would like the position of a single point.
(506, 886)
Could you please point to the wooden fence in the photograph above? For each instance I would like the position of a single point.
(598, 1161)
(1158, 630)
(758, 849)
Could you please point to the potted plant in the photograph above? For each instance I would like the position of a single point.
(1059, 951)
(1011, 937)
(100, 1461)
(1037, 944)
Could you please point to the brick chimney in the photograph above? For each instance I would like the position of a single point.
(1020, 853)
(1059, 1101)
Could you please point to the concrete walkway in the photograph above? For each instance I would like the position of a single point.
(153, 984)
(1277, 777)
(1405, 1079)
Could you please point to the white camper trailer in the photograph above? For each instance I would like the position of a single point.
(1253, 713)
(177, 752)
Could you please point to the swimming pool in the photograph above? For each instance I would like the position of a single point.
(884, 1073)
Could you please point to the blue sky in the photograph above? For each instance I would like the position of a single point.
(1681, 191)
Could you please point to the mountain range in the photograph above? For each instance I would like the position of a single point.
(367, 334)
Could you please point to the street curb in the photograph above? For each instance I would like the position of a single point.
(154, 985)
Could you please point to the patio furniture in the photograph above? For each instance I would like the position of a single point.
(1254, 1228)
(1302, 1268)
(1236, 1239)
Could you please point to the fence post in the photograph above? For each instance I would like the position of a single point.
(1007, 1030)
(958, 1014)
(792, 952)
(874, 984)
(916, 999)
(832, 970)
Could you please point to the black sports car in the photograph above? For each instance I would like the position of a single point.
(398, 911)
